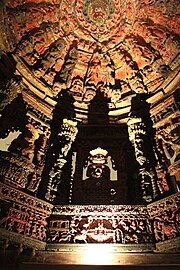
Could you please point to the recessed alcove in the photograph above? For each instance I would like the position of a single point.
(116, 182)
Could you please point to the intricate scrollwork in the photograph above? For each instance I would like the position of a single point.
(15, 169)
(27, 216)
(29, 149)
(165, 215)
(98, 224)
(168, 141)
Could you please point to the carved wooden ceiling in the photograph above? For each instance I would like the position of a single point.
(118, 47)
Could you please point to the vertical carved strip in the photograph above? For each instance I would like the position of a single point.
(140, 137)
(66, 137)
(39, 159)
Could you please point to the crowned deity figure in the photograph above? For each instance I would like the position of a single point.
(97, 185)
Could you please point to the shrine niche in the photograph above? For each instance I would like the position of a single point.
(97, 187)
(100, 172)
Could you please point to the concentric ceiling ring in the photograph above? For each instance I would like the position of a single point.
(97, 20)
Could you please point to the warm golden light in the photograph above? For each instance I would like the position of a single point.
(100, 254)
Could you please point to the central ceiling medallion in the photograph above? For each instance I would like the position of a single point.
(98, 12)
(97, 19)
(94, 21)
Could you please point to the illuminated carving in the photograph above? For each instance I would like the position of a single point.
(139, 129)
(69, 130)
(101, 224)
(38, 33)
(168, 137)
(28, 214)
(15, 169)
(99, 184)
(24, 164)
(67, 135)
(90, 92)
(64, 76)
(123, 49)
(137, 132)
(98, 155)
(98, 168)
(165, 215)
(97, 12)
(116, 224)
(46, 68)
(77, 88)
(162, 178)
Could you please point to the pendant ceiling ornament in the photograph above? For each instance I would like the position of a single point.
(119, 47)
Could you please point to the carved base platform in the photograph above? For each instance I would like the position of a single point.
(172, 245)
(103, 254)
(35, 234)
(101, 248)
(91, 257)
(19, 239)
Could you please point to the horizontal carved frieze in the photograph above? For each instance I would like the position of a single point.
(100, 210)
(170, 203)
(12, 194)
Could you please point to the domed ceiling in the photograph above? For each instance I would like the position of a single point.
(117, 47)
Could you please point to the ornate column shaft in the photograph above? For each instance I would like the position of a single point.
(39, 159)
(140, 137)
(23, 165)
(65, 137)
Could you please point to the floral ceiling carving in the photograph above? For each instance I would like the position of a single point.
(120, 47)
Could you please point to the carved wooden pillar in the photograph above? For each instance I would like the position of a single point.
(165, 116)
(65, 138)
(39, 159)
(23, 165)
(140, 136)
